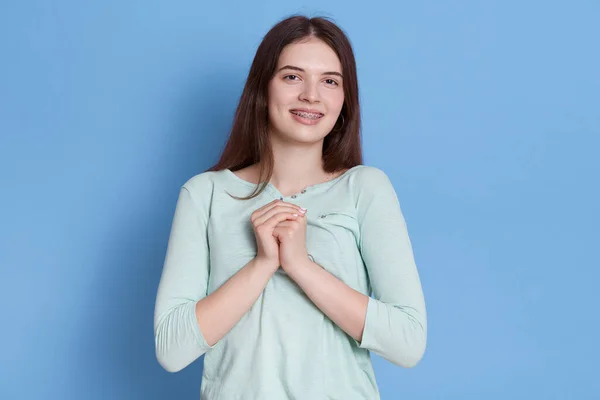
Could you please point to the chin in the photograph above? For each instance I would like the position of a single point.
(303, 135)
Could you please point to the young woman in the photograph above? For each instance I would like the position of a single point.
(275, 251)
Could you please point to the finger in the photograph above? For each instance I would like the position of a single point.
(275, 211)
(268, 206)
(278, 218)
(275, 203)
(284, 224)
(260, 219)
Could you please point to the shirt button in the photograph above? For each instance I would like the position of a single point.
(293, 196)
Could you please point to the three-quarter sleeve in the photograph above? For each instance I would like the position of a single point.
(178, 339)
(396, 321)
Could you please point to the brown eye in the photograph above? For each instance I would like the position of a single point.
(332, 82)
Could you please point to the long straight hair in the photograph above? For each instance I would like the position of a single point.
(248, 141)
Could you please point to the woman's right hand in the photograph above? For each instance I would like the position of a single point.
(264, 220)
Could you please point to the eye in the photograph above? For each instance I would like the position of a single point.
(332, 82)
(287, 76)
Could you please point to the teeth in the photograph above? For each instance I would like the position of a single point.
(307, 115)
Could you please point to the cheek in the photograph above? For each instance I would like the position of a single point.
(280, 95)
(273, 98)
(279, 103)
(339, 99)
(334, 101)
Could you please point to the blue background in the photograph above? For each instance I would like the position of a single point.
(484, 114)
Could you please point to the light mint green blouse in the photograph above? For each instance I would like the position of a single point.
(285, 347)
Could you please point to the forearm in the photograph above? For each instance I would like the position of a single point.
(345, 306)
(218, 312)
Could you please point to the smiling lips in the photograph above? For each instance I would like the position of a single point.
(307, 117)
(307, 114)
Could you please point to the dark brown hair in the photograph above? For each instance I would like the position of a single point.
(248, 142)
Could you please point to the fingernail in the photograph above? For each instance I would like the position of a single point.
(303, 210)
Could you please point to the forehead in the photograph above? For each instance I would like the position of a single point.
(313, 54)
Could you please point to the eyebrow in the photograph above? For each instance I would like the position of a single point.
(301, 70)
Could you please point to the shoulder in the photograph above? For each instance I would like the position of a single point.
(371, 186)
(369, 177)
(201, 187)
(203, 181)
(375, 197)
(369, 171)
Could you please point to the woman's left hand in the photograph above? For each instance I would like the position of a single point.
(292, 241)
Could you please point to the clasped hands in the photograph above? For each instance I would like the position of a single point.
(280, 230)
(291, 235)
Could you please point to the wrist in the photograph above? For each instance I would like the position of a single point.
(263, 263)
(298, 263)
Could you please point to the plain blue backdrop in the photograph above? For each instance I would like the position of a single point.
(484, 114)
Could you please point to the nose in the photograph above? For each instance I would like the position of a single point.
(309, 93)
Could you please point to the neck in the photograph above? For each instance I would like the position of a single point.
(297, 166)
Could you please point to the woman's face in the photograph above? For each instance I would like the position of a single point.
(306, 93)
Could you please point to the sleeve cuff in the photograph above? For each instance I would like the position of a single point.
(196, 328)
(367, 336)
